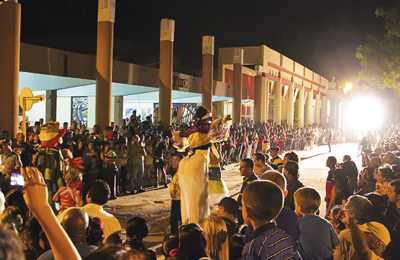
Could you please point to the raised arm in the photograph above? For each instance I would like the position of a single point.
(35, 196)
(358, 237)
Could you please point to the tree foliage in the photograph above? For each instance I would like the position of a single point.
(380, 56)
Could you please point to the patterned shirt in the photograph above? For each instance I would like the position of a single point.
(276, 162)
(49, 162)
(269, 242)
(67, 197)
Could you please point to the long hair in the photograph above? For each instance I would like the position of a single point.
(216, 235)
(341, 182)
(192, 244)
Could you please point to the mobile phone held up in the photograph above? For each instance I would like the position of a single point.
(16, 180)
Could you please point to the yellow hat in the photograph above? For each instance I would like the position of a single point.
(378, 230)
(50, 131)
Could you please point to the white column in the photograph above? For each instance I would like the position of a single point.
(167, 34)
(324, 110)
(318, 108)
(278, 102)
(332, 114)
(265, 99)
(237, 85)
(51, 105)
(118, 109)
(258, 97)
(300, 108)
(290, 105)
(310, 107)
(207, 77)
(104, 61)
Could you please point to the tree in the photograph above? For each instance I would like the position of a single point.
(380, 56)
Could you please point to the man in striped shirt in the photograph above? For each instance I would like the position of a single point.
(262, 202)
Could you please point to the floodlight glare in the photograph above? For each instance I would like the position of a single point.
(349, 86)
(365, 113)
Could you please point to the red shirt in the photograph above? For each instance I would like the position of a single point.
(66, 199)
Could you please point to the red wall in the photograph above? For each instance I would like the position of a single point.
(247, 82)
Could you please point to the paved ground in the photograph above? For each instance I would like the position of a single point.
(154, 204)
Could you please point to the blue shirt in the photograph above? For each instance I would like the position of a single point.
(269, 242)
(286, 220)
(318, 238)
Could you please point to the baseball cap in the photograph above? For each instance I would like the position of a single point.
(378, 230)
(275, 148)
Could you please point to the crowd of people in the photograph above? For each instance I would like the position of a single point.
(138, 154)
(274, 217)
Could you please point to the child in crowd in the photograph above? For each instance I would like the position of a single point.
(236, 245)
(71, 195)
(262, 201)
(137, 229)
(175, 193)
(287, 219)
(318, 238)
(170, 246)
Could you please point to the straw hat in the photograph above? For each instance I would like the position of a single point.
(51, 130)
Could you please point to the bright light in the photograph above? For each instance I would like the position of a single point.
(364, 114)
(349, 86)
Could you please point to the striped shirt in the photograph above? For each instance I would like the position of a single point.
(269, 242)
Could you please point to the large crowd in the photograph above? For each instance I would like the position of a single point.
(274, 217)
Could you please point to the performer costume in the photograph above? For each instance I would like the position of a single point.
(49, 159)
(193, 169)
(217, 189)
(67, 196)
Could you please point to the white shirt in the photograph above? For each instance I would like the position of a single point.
(111, 223)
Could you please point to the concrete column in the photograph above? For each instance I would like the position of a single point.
(324, 111)
(300, 107)
(51, 105)
(290, 106)
(337, 115)
(118, 109)
(277, 101)
(207, 79)
(332, 114)
(265, 96)
(104, 61)
(318, 108)
(259, 99)
(167, 33)
(220, 109)
(310, 107)
(284, 105)
(237, 85)
(10, 31)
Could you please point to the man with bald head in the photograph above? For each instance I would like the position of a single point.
(75, 224)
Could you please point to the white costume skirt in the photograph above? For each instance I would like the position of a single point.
(193, 182)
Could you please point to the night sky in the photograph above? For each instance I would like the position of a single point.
(321, 35)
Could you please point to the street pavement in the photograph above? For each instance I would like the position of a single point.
(154, 204)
